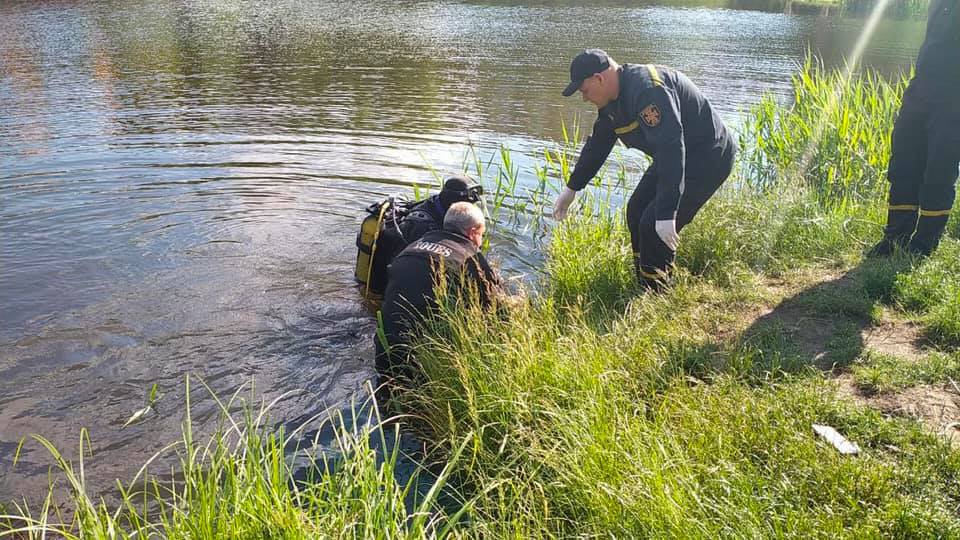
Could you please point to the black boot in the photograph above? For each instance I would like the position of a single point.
(649, 281)
(885, 247)
(901, 222)
(927, 237)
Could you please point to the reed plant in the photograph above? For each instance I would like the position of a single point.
(896, 8)
(834, 138)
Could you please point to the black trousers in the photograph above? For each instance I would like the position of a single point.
(392, 357)
(706, 170)
(924, 157)
(393, 365)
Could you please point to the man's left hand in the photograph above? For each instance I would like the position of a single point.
(667, 231)
(563, 203)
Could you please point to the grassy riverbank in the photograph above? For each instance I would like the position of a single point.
(599, 410)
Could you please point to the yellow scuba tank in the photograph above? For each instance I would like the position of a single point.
(367, 238)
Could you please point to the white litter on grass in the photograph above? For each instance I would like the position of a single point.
(838, 441)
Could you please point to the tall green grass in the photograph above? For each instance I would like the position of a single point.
(834, 138)
(652, 426)
(240, 482)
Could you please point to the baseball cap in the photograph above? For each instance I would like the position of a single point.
(584, 65)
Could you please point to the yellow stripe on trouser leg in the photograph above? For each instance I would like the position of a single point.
(934, 213)
(648, 275)
(903, 207)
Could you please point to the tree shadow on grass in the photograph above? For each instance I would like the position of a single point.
(822, 326)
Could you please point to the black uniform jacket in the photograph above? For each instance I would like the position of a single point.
(416, 270)
(661, 112)
(938, 64)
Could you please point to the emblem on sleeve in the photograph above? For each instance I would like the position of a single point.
(650, 115)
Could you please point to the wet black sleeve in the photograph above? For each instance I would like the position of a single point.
(486, 279)
(414, 226)
(660, 121)
(594, 153)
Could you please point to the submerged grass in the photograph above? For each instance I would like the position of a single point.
(599, 410)
(241, 482)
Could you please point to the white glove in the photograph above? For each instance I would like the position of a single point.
(563, 203)
(667, 231)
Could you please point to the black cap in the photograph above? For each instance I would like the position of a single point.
(455, 189)
(586, 64)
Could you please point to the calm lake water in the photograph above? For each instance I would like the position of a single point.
(181, 182)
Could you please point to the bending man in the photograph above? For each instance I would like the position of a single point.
(659, 111)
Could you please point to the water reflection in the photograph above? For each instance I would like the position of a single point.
(182, 181)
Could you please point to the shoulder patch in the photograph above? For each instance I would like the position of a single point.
(650, 115)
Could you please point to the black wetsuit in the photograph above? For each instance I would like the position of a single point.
(425, 216)
(399, 230)
(925, 149)
(661, 112)
(410, 295)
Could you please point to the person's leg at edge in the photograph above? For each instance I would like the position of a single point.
(939, 187)
(908, 157)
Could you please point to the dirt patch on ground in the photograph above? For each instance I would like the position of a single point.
(770, 292)
(810, 312)
(937, 407)
(898, 338)
(823, 335)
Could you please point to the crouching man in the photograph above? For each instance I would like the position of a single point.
(452, 256)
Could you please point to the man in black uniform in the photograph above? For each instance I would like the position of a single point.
(925, 148)
(451, 255)
(661, 112)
